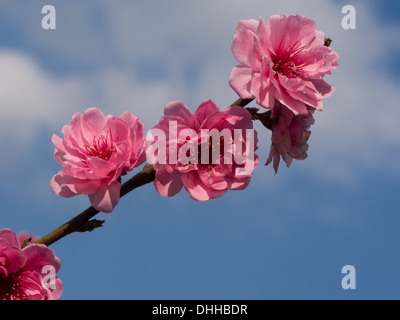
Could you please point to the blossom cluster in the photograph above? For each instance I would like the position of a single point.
(281, 65)
(24, 273)
(207, 152)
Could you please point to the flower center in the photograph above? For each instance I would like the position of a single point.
(10, 289)
(210, 152)
(291, 59)
(102, 147)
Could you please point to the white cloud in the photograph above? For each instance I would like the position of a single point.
(30, 97)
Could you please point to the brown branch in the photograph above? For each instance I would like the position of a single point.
(241, 102)
(264, 118)
(82, 222)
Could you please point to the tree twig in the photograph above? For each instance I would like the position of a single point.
(82, 221)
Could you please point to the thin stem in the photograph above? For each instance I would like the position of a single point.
(241, 102)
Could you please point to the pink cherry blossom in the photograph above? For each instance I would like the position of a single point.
(285, 60)
(95, 152)
(290, 134)
(205, 178)
(23, 272)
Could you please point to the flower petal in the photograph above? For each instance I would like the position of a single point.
(195, 188)
(246, 49)
(38, 256)
(206, 108)
(178, 109)
(93, 124)
(107, 197)
(240, 81)
(168, 184)
(101, 167)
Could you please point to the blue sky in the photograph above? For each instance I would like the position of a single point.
(287, 236)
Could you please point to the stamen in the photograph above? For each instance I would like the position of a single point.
(103, 147)
(290, 61)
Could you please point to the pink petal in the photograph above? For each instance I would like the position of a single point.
(282, 142)
(118, 129)
(262, 35)
(246, 49)
(178, 109)
(106, 198)
(273, 156)
(240, 184)
(294, 84)
(195, 188)
(3, 273)
(55, 294)
(307, 96)
(301, 28)
(14, 258)
(205, 109)
(217, 120)
(8, 238)
(214, 179)
(101, 167)
(240, 81)
(277, 27)
(325, 61)
(38, 256)
(168, 184)
(68, 186)
(73, 133)
(250, 25)
(298, 107)
(93, 124)
(64, 153)
(239, 118)
(133, 122)
(262, 89)
(58, 186)
(323, 89)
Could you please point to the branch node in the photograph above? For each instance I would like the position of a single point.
(327, 42)
(26, 242)
(91, 225)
